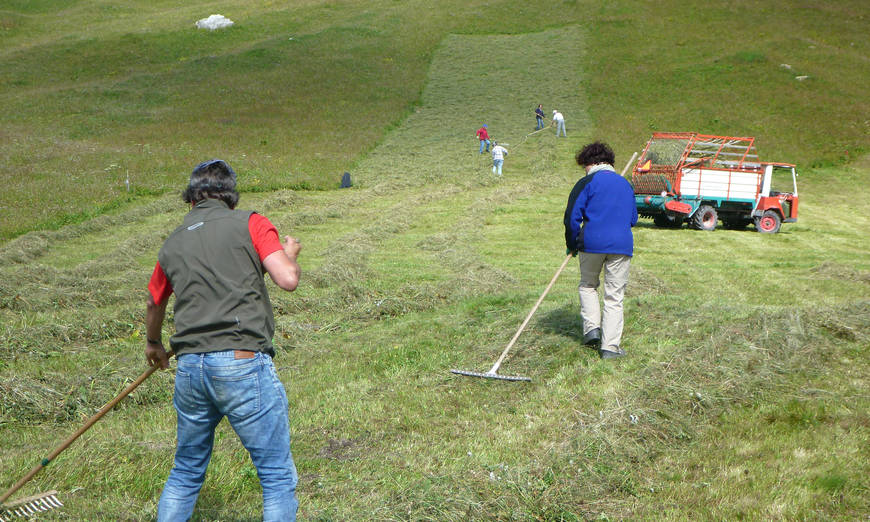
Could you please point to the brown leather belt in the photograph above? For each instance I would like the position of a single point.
(244, 354)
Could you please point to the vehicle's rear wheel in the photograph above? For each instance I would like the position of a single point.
(768, 223)
(705, 218)
(662, 220)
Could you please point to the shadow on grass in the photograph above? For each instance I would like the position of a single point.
(214, 507)
(645, 223)
(564, 321)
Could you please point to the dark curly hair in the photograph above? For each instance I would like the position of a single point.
(212, 179)
(595, 153)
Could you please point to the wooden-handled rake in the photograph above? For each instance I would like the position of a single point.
(35, 504)
(493, 372)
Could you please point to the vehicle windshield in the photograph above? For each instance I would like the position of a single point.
(781, 181)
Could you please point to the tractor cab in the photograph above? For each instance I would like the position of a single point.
(777, 199)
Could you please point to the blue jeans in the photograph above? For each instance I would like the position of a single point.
(560, 128)
(539, 124)
(484, 143)
(248, 392)
(496, 166)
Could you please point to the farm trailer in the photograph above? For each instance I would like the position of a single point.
(702, 178)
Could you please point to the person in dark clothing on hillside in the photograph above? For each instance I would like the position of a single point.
(214, 263)
(539, 117)
(598, 221)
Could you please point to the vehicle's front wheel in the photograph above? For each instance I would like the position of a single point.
(705, 218)
(768, 223)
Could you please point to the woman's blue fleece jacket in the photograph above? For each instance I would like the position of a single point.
(600, 214)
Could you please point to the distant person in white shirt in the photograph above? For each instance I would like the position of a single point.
(498, 154)
(559, 122)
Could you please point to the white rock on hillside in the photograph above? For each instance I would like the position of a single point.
(213, 22)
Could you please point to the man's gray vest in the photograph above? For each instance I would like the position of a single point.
(221, 301)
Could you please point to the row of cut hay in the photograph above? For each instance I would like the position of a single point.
(669, 399)
(55, 332)
(56, 394)
(741, 361)
(31, 246)
(348, 261)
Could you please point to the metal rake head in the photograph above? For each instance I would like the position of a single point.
(27, 507)
(491, 375)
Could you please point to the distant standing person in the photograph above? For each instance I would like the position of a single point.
(559, 122)
(214, 262)
(483, 136)
(598, 221)
(539, 117)
(498, 155)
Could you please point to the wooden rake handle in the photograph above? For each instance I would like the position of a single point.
(97, 416)
(529, 317)
(627, 164)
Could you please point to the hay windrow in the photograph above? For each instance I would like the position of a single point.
(278, 200)
(33, 245)
(833, 270)
(27, 400)
(644, 282)
(52, 334)
(346, 300)
(44, 288)
(61, 398)
(741, 362)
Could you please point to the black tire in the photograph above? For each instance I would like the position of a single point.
(662, 220)
(736, 224)
(769, 222)
(705, 218)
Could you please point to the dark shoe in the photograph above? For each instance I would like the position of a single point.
(592, 337)
(607, 354)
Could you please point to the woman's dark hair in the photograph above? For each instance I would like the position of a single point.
(212, 179)
(595, 153)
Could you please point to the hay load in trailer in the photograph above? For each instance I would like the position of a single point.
(701, 179)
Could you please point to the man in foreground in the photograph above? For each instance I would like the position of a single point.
(598, 221)
(215, 263)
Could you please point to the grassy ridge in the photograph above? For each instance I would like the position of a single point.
(743, 395)
(291, 95)
(96, 93)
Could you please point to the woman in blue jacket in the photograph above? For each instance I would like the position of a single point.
(598, 221)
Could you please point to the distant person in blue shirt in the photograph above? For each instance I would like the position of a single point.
(598, 221)
(539, 117)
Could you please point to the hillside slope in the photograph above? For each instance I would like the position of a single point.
(743, 394)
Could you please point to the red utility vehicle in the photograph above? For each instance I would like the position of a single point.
(700, 178)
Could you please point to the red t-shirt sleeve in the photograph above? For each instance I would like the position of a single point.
(264, 235)
(159, 286)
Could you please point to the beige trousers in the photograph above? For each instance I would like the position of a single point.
(615, 279)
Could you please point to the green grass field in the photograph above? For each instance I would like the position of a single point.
(744, 395)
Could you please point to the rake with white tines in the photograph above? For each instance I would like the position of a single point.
(29, 506)
(493, 372)
(47, 501)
